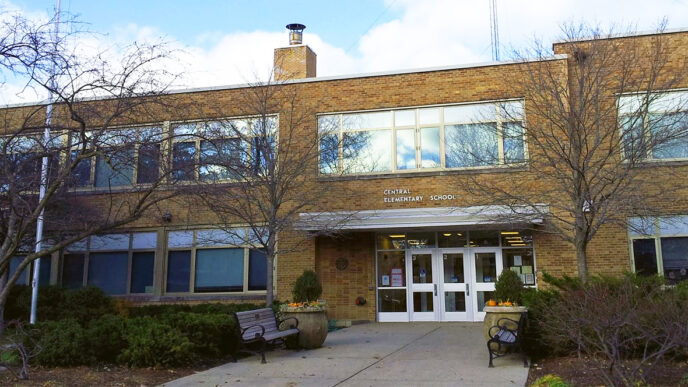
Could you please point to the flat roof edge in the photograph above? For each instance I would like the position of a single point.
(622, 35)
(325, 79)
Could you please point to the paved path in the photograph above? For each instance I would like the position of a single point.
(389, 354)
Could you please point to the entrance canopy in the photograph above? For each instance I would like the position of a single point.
(422, 217)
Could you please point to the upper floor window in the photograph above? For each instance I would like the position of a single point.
(654, 126)
(123, 157)
(427, 138)
(220, 150)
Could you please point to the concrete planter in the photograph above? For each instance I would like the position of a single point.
(494, 313)
(312, 324)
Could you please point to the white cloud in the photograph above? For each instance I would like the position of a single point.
(427, 33)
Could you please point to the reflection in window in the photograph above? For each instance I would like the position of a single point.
(474, 135)
(671, 131)
(367, 151)
(657, 120)
(430, 147)
(116, 168)
(219, 270)
(391, 269)
(471, 145)
(220, 159)
(329, 153)
(392, 300)
(148, 168)
(183, 160)
(406, 149)
(675, 258)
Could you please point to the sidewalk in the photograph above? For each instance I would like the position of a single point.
(390, 354)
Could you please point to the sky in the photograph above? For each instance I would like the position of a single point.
(223, 42)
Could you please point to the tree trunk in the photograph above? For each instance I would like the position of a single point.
(3, 284)
(582, 256)
(269, 290)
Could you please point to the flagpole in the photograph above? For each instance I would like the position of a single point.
(44, 177)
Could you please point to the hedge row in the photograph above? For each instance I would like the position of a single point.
(85, 327)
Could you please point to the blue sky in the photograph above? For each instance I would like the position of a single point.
(232, 41)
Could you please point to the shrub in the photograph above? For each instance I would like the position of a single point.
(616, 319)
(508, 287)
(307, 287)
(549, 380)
(213, 335)
(61, 343)
(87, 304)
(105, 337)
(537, 301)
(153, 343)
(206, 308)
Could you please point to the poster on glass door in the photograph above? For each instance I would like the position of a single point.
(397, 277)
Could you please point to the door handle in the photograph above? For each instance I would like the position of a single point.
(468, 289)
(435, 285)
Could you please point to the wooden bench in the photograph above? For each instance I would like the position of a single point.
(508, 335)
(262, 327)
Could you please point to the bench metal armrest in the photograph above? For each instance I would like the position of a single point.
(279, 322)
(499, 323)
(262, 329)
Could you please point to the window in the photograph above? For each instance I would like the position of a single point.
(214, 261)
(116, 263)
(21, 161)
(660, 246)
(445, 137)
(222, 150)
(125, 157)
(661, 132)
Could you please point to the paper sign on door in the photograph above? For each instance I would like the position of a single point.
(397, 277)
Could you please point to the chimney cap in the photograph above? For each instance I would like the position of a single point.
(296, 27)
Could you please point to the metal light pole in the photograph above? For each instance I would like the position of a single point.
(44, 177)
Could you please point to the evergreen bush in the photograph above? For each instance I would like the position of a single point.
(307, 287)
(105, 337)
(61, 343)
(509, 287)
(151, 343)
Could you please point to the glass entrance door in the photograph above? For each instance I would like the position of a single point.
(455, 285)
(487, 264)
(423, 289)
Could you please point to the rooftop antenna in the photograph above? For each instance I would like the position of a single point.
(494, 30)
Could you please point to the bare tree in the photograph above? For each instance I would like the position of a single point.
(100, 176)
(260, 172)
(595, 132)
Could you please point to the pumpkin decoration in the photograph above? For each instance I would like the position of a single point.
(491, 303)
(508, 303)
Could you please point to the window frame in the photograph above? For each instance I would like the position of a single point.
(657, 237)
(198, 138)
(647, 130)
(246, 246)
(441, 124)
(86, 252)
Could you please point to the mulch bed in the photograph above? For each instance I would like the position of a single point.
(586, 371)
(101, 376)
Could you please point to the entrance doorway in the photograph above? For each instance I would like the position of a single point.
(450, 284)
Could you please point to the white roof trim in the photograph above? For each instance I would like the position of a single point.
(323, 79)
(421, 217)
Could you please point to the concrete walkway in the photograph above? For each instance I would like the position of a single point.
(389, 354)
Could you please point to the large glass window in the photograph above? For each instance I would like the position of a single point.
(219, 270)
(660, 245)
(213, 260)
(116, 263)
(453, 136)
(654, 126)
